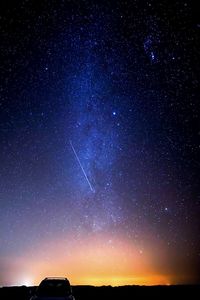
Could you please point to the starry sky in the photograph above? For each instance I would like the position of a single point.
(99, 142)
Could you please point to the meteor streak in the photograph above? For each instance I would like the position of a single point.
(86, 177)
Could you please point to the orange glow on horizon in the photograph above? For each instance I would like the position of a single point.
(90, 261)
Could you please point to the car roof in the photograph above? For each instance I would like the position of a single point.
(55, 278)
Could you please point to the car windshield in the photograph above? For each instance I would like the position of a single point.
(58, 288)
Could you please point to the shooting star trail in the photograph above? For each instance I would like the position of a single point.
(87, 179)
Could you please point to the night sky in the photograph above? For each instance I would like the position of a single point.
(99, 142)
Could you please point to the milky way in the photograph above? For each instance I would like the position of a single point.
(99, 131)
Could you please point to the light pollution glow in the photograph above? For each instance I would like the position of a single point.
(95, 261)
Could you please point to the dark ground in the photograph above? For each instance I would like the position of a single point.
(117, 293)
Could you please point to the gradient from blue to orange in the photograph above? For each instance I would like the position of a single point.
(99, 143)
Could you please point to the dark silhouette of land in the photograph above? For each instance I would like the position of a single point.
(108, 292)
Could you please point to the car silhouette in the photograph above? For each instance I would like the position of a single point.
(53, 288)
